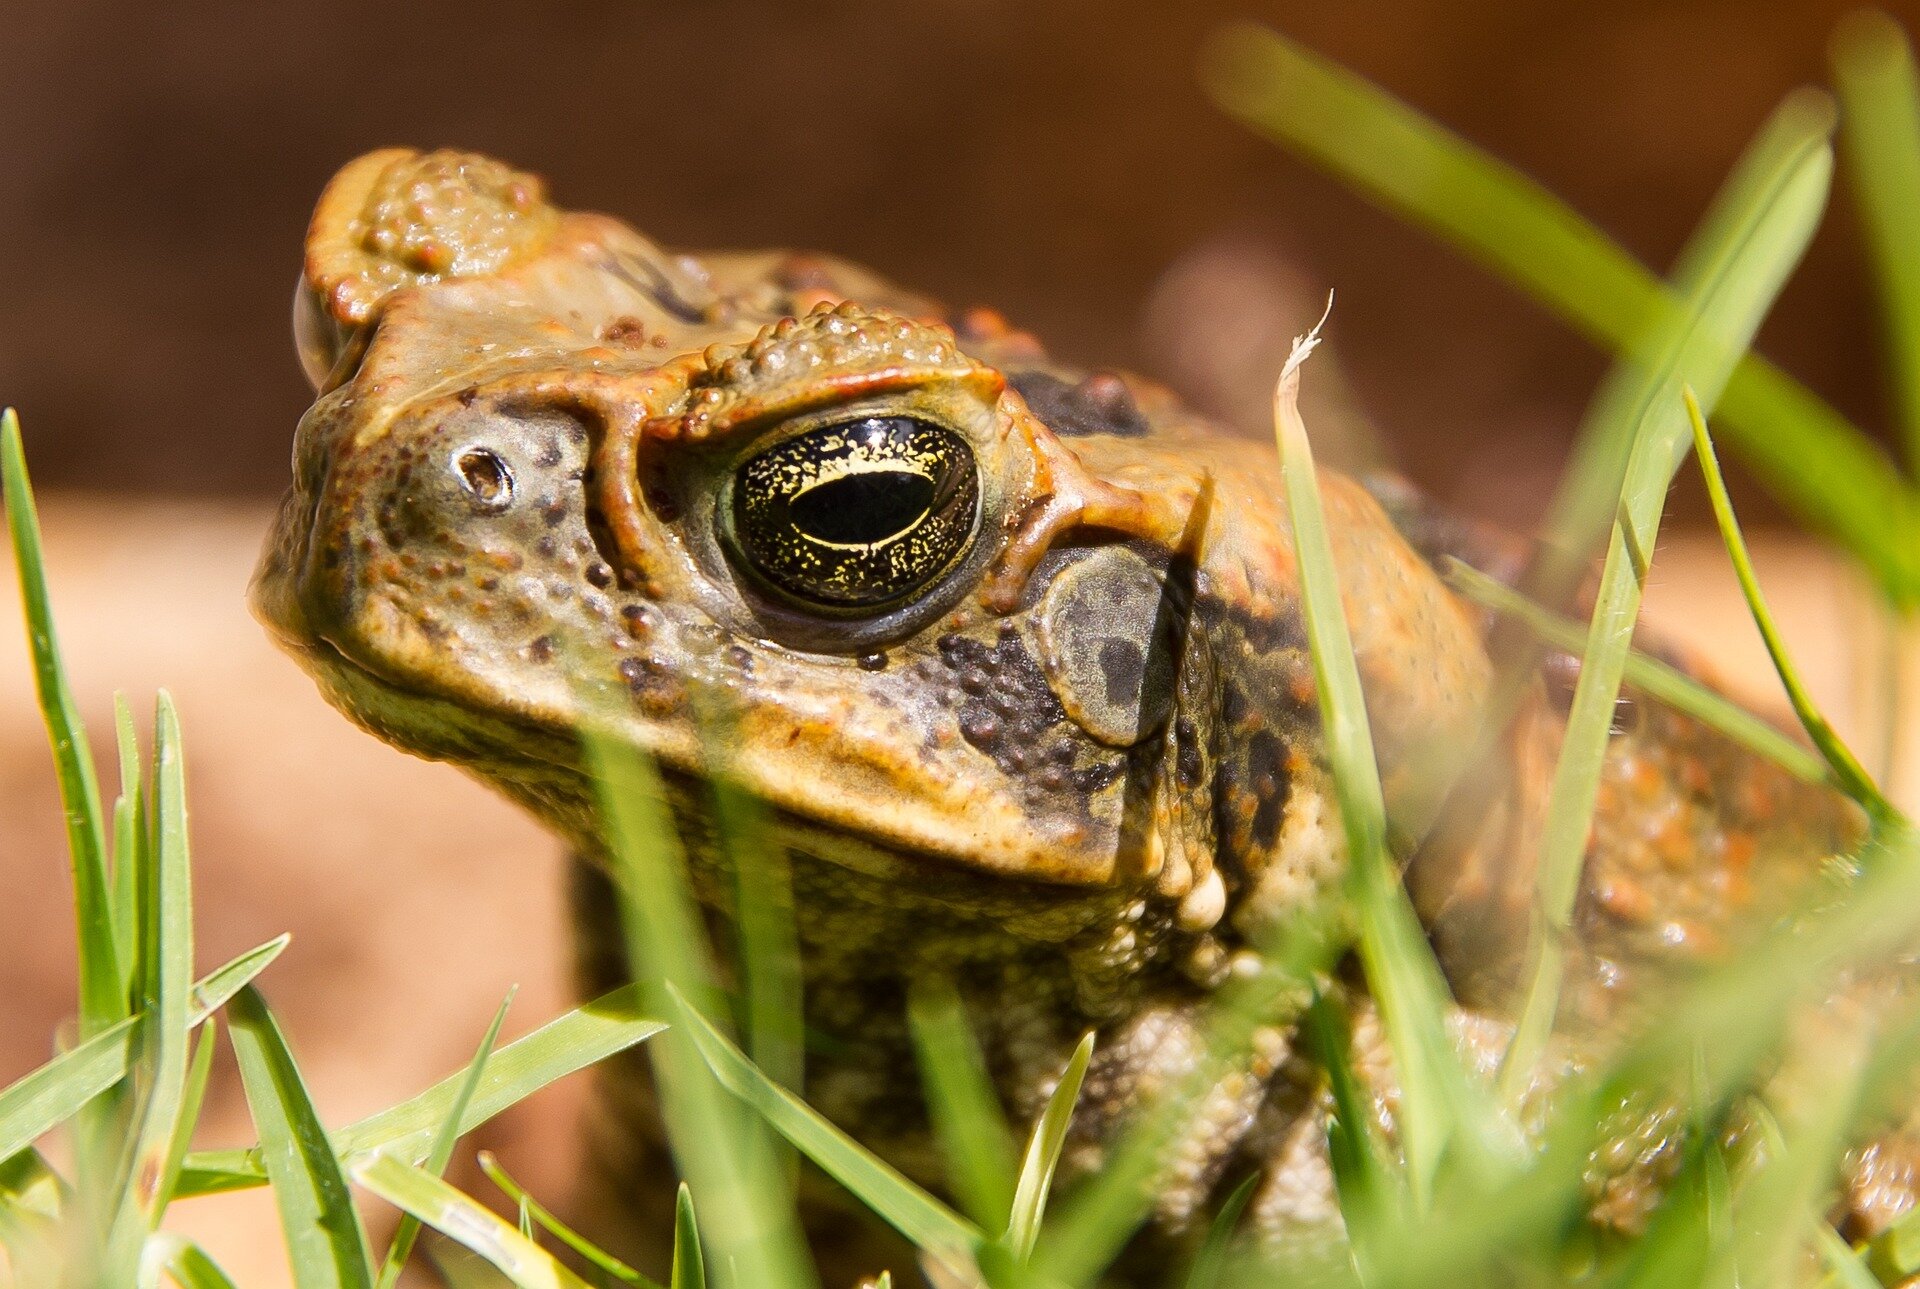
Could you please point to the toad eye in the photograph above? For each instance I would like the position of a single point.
(855, 515)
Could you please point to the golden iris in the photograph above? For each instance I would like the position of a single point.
(858, 514)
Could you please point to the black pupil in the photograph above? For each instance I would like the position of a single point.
(860, 509)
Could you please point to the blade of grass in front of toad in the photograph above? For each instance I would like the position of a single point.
(1437, 1097)
(768, 934)
(464, 1220)
(1784, 1194)
(1372, 1193)
(1732, 271)
(532, 1210)
(442, 1149)
(1807, 453)
(1104, 1210)
(1043, 1154)
(1880, 130)
(1852, 776)
(718, 1147)
(1846, 1267)
(975, 1140)
(1209, 1262)
(1657, 679)
(102, 1001)
(326, 1245)
(1702, 334)
(565, 1045)
(929, 1224)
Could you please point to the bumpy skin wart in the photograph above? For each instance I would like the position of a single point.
(1074, 772)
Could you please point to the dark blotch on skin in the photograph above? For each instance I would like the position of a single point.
(638, 619)
(1098, 405)
(1122, 666)
(1021, 706)
(646, 678)
(1271, 784)
(1186, 764)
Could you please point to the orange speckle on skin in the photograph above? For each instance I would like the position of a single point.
(1627, 901)
(1644, 775)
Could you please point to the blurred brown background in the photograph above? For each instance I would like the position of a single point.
(1056, 160)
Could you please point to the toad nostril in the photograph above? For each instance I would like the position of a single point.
(486, 478)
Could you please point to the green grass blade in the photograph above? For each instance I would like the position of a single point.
(1371, 1193)
(1043, 1154)
(185, 1262)
(101, 1000)
(1657, 679)
(689, 1266)
(1851, 775)
(325, 1243)
(28, 1185)
(33, 1202)
(48, 1096)
(968, 1121)
(192, 1097)
(1706, 340)
(1098, 1219)
(1393, 949)
(1780, 1203)
(129, 846)
(441, 1152)
(1897, 1249)
(1880, 130)
(769, 936)
(1209, 1264)
(465, 1221)
(1429, 175)
(212, 991)
(166, 971)
(929, 1224)
(1732, 269)
(579, 1038)
(531, 1211)
(42, 1099)
(1808, 455)
(1846, 1269)
(723, 1152)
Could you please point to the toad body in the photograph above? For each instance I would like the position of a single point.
(1012, 655)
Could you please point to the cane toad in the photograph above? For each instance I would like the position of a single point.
(1012, 653)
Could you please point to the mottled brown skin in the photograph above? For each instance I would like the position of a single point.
(1075, 774)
